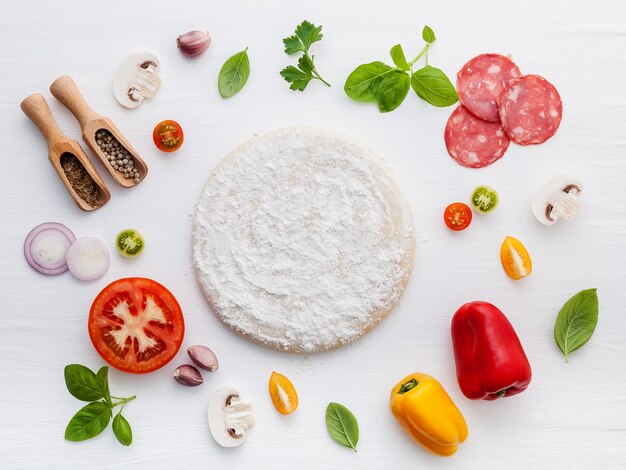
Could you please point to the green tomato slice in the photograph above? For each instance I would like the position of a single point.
(484, 199)
(129, 242)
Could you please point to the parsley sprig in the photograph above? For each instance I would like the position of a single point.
(299, 77)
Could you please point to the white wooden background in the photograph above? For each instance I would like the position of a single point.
(572, 416)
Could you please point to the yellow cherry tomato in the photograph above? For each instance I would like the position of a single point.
(283, 394)
(515, 258)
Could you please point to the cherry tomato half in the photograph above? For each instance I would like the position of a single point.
(283, 394)
(457, 216)
(168, 136)
(136, 325)
(515, 258)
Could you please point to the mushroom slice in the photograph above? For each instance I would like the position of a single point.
(557, 199)
(229, 417)
(137, 78)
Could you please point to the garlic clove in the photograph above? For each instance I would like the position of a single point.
(188, 375)
(193, 43)
(137, 78)
(203, 357)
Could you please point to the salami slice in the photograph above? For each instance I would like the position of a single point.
(530, 110)
(473, 142)
(481, 81)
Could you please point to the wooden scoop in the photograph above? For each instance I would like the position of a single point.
(65, 90)
(61, 147)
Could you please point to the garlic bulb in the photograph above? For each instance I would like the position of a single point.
(193, 43)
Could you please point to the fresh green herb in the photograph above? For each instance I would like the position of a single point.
(234, 74)
(103, 382)
(398, 57)
(388, 86)
(576, 321)
(82, 383)
(90, 421)
(428, 34)
(342, 425)
(299, 77)
(122, 430)
(362, 84)
(434, 87)
(93, 418)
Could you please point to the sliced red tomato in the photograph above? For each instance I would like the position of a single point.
(136, 325)
(168, 136)
(457, 216)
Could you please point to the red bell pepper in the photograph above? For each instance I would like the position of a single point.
(490, 360)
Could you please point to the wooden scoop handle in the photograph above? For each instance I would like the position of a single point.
(65, 90)
(37, 109)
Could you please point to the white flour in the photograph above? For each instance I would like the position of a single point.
(301, 240)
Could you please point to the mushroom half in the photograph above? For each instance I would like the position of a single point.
(229, 417)
(557, 199)
(137, 78)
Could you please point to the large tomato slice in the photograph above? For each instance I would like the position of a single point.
(136, 325)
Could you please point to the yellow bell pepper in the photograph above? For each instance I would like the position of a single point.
(427, 413)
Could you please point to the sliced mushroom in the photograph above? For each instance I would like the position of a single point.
(137, 78)
(557, 199)
(229, 417)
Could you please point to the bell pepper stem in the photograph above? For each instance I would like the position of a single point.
(408, 385)
(502, 392)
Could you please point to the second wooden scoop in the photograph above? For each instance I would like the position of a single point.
(90, 193)
(65, 90)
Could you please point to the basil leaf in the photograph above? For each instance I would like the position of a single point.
(392, 91)
(576, 321)
(122, 430)
(103, 382)
(398, 57)
(234, 74)
(428, 34)
(82, 383)
(342, 425)
(88, 422)
(362, 84)
(434, 87)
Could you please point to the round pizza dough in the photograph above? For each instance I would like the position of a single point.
(301, 240)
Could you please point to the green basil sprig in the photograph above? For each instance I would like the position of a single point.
(342, 425)
(299, 77)
(234, 74)
(576, 321)
(93, 418)
(388, 86)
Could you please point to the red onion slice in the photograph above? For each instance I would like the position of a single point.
(88, 258)
(46, 246)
